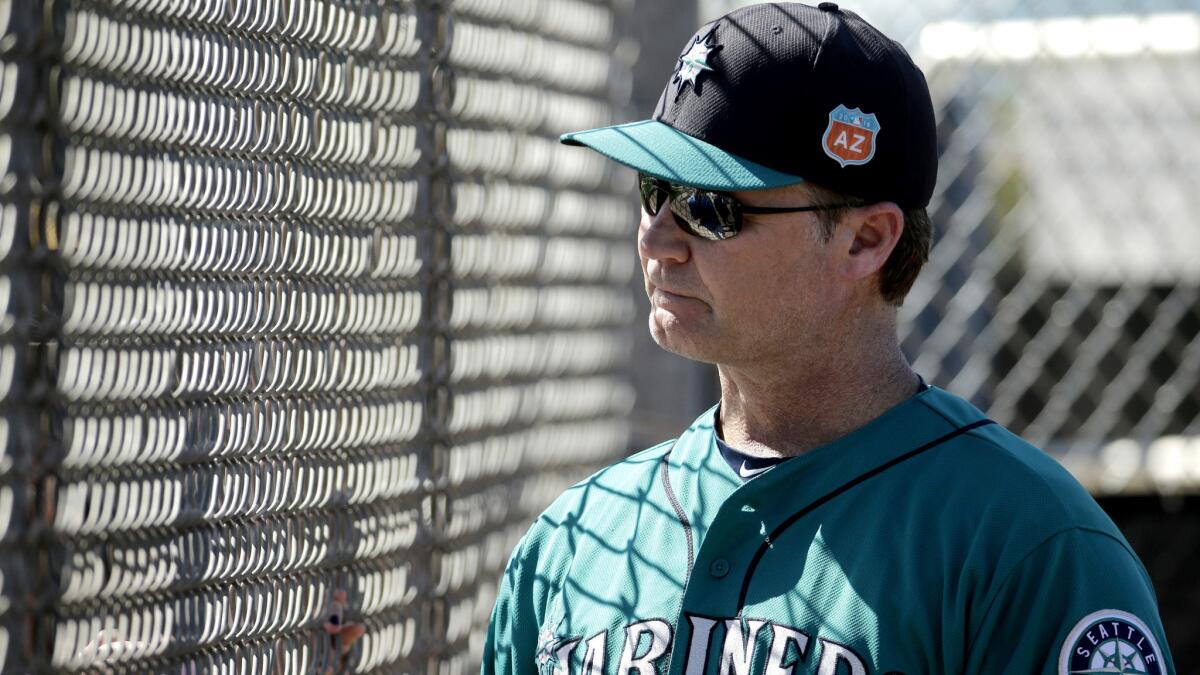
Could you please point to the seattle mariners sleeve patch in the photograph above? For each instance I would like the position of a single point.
(1110, 641)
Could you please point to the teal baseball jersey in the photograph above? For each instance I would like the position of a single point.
(931, 540)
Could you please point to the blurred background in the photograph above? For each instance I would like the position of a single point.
(306, 313)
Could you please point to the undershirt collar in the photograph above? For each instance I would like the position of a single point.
(747, 466)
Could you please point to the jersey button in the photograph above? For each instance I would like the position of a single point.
(828, 6)
(719, 567)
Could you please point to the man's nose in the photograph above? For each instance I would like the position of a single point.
(660, 238)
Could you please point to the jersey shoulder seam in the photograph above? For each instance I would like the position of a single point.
(654, 448)
(543, 517)
(998, 592)
(1041, 479)
(940, 413)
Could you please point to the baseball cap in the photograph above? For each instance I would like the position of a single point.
(776, 94)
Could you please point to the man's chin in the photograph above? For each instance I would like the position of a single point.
(673, 335)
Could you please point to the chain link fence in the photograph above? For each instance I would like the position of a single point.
(1062, 296)
(306, 315)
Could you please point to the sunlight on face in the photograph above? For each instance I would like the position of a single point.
(764, 293)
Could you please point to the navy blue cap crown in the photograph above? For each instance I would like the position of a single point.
(815, 92)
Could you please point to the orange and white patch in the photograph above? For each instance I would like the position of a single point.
(851, 136)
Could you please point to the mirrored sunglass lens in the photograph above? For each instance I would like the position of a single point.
(705, 214)
(652, 193)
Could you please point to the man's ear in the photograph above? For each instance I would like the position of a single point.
(869, 233)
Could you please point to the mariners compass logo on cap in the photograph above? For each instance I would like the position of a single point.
(694, 61)
(795, 93)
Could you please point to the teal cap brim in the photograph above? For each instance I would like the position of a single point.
(660, 150)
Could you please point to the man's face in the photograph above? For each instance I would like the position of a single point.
(761, 295)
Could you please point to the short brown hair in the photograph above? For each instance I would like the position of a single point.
(906, 260)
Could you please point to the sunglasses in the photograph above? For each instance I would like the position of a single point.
(705, 213)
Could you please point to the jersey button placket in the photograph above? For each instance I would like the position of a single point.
(718, 568)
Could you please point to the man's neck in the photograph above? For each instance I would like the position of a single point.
(786, 409)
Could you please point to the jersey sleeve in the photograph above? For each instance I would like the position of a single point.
(1078, 603)
(512, 633)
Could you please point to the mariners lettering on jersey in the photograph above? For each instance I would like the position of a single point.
(1110, 641)
(734, 644)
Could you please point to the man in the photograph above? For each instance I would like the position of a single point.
(833, 514)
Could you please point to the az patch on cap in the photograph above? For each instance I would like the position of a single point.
(850, 136)
(1110, 641)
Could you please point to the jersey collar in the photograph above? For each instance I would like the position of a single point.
(703, 481)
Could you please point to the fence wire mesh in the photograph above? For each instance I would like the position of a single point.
(302, 298)
(1062, 296)
(307, 314)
